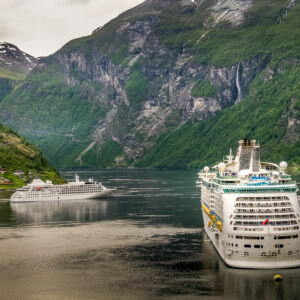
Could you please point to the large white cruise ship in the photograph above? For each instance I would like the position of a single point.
(39, 190)
(250, 210)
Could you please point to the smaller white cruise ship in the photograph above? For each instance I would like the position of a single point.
(39, 190)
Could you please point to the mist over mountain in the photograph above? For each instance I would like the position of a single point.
(167, 84)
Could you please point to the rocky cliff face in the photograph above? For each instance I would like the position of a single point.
(149, 71)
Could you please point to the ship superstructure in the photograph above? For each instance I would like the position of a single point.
(39, 190)
(251, 211)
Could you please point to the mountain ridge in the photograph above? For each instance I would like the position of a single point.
(150, 71)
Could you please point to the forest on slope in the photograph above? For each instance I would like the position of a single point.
(18, 154)
(167, 84)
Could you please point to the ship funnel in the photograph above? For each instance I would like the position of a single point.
(76, 178)
(249, 155)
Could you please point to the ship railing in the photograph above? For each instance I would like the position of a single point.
(228, 177)
(261, 199)
(264, 189)
(285, 176)
(266, 184)
(263, 211)
(254, 205)
(225, 183)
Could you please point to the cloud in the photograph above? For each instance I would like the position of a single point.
(76, 1)
(41, 27)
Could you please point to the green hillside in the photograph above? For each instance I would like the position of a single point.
(17, 154)
(8, 80)
(157, 86)
(264, 115)
(265, 31)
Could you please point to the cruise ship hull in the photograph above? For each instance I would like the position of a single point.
(51, 197)
(266, 262)
(251, 212)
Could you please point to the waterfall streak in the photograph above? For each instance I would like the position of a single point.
(238, 86)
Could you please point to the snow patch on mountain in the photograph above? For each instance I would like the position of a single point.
(13, 59)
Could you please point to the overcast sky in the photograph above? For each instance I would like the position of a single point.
(40, 27)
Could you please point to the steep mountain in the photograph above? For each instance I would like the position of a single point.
(17, 154)
(14, 66)
(168, 80)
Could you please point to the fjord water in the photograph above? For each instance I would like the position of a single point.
(144, 242)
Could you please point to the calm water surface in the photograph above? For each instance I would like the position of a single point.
(144, 242)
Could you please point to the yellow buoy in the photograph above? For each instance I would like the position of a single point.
(277, 278)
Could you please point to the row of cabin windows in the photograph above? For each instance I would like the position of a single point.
(246, 245)
(66, 191)
(255, 246)
(280, 237)
(274, 204)
(262, 229)
(292, 222)
(264, 217)
(260, 190)
(250, 237)
(262, 198)
(263, 211)
(286, 228)
(284, 237)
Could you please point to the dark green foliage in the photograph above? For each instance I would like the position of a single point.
(203, 88)
(6, 86)
(136, 89)
(64, 114)
(15, 76)
(264, 32)
(104, 156)
(18, 154)
(263, 116)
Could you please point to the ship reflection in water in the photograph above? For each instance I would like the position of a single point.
(60, 211)
(144, 242)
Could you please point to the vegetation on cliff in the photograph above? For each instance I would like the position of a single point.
(17, 154)
(270, 114)
(157, 86)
